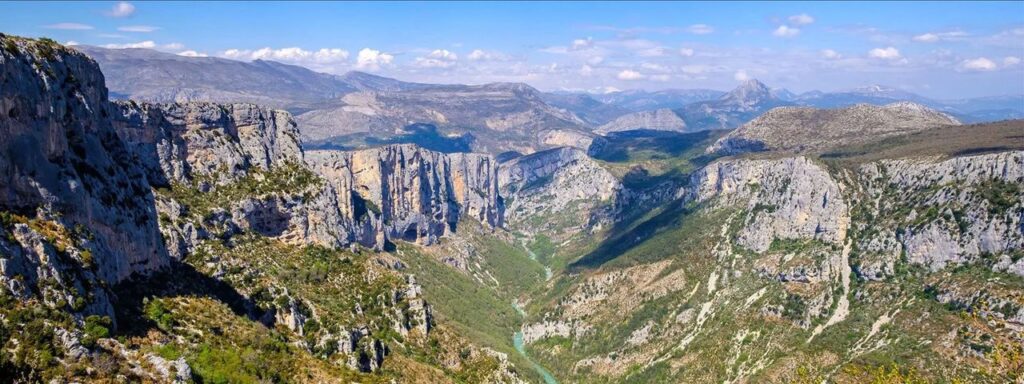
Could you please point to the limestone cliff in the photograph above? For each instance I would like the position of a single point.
(61, 163)
(179, 141)
(405, 192)
(791, 198)
(558, 190)
(370, 196)
(943, 212)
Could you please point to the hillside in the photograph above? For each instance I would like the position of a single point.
(801, 129)
(499, 117)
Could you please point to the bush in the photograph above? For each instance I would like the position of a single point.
(96, 327)
(157, 312)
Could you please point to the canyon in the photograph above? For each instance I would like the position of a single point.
(155, 240)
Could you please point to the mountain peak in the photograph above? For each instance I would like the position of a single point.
(749, 92)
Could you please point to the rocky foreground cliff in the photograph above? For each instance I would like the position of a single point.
(162, 221)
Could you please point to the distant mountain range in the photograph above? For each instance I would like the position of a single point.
(358, 109)
(144, 74)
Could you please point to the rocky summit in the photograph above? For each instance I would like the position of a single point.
(179, 240)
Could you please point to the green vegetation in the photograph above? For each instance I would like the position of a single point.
(1000, 195)
(96, 327)
(156, 311)
(291, 179)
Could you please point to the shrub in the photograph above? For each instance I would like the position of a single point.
(96, 327)
(157, 312)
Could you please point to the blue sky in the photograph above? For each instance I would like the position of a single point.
(942, 49)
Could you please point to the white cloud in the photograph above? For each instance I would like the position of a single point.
(801, 19)
(888, 53)
(1010, 61)
(786, 31)
(661, 78)
(595, 60)
(979, 64)
(652, 52)
(927, 38)
(700, 29)
(630, 75)
(741, 75)
(830, 54)
(477, 55)
(290, 54)
(932, 37)
(581, 44)
(121, 9)
(438, 58)
(191, 53)
(69, 26)
(137, 28)
(173, 46)
(655, 67)
(330, 55)
(482, 55)
(586, 70)
(148, 44)
(71, 42)
(686, 52)
(372, 59)
(695, 69)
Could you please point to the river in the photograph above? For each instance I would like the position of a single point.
(520, 345)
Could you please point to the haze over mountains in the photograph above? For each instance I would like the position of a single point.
(355, 109)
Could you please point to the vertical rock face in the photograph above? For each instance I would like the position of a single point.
(61, 159)
(405, 192)
(948, 212)
(393, 192)
(562, 189)
(179, 141)
(790, 198)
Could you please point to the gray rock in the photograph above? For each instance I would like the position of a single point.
(659, 119)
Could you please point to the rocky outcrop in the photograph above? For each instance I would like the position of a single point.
(563, 188)
(393, 192)
(177, 142)
(405, 192)
(62, 161)
(800, 129)
(791, 198)
(211, 147)
(659, 120)
(946, 212)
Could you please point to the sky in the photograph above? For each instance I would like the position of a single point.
(943, 50)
